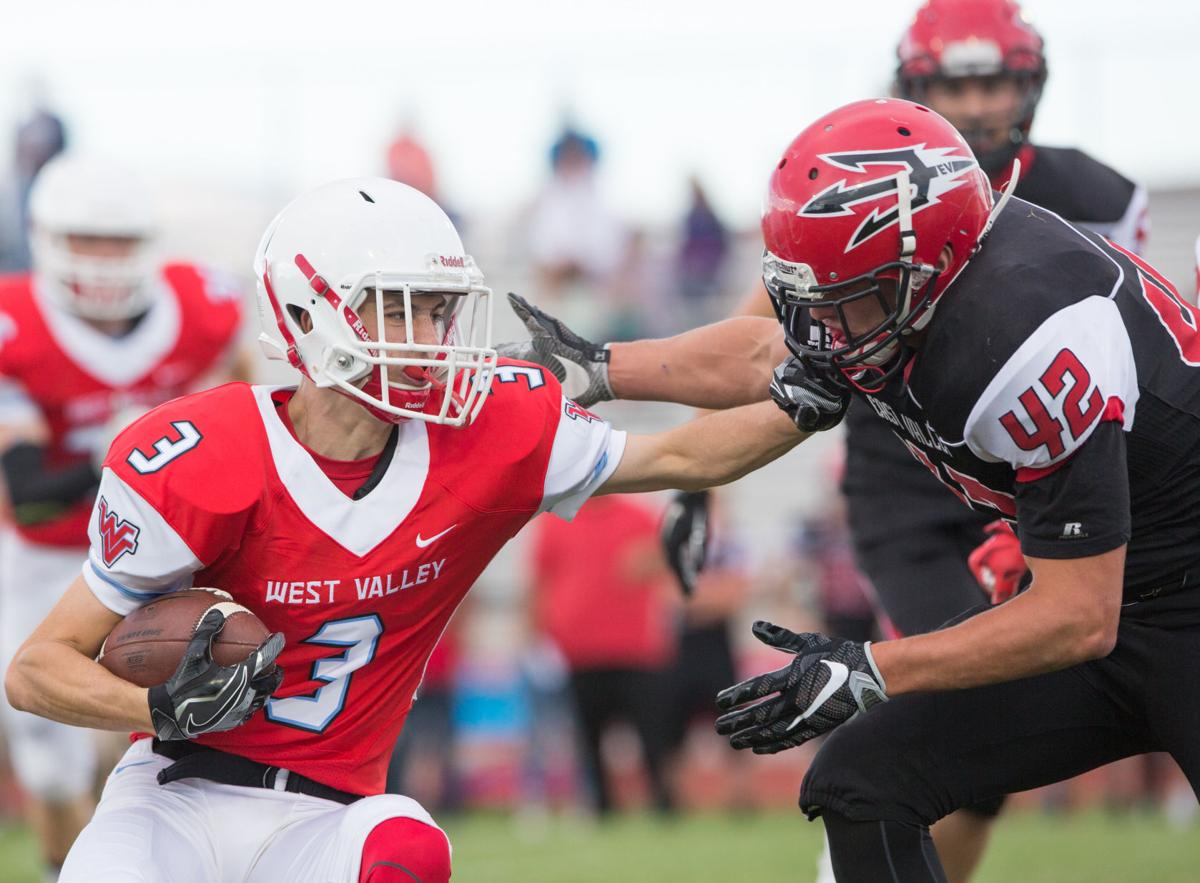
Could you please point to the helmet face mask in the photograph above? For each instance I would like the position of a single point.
(334, 248)
(872, 317)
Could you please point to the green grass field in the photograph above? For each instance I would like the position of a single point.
(1029, 848)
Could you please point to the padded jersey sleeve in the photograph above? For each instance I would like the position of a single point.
(586, 452)
(1081, 509)
(1073, 373)
(178, 491)
(134, 554)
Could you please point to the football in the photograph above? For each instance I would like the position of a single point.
(146, 646)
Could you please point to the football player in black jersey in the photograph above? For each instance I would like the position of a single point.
(981, 65)
(1044, 375)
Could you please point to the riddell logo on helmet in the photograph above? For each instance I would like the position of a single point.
(451, 261)
(932, 171)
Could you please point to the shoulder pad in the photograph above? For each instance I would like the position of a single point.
(1075, 370)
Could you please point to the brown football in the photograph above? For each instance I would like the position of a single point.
(146, 646)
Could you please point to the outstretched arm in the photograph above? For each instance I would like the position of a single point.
(711, 450)
(722, 365)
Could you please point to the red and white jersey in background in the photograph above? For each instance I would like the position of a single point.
(56, 367)
(214, 490)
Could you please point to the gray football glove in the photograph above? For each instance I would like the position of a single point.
(580, 365)
(815, 401)
(829, 682)
(205, 697)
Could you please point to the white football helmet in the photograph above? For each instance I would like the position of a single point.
(335, 245)
(86, 196)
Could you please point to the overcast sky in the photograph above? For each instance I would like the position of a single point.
(271, 97)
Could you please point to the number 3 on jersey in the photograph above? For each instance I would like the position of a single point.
(314, 712)
(167, 448)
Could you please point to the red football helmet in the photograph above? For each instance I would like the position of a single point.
(949, 39)
(861, 206)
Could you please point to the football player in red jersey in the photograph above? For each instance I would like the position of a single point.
(1044, 375)
(98, 329)
(351, 513)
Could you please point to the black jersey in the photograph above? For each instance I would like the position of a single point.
(879, 474)
(1058, 385)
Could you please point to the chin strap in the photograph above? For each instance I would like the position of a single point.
(1005, 196)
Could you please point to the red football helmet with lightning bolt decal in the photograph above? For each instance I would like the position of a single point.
(860, 208)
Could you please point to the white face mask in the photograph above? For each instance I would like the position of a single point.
(92, 286)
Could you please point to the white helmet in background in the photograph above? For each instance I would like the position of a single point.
(77, 196)
(330, 249)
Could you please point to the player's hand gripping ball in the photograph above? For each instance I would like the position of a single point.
(209, 662)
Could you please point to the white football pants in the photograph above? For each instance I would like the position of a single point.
(196, 831)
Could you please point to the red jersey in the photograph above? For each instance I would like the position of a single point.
(600, 587)
(213, 490)
(56, 366)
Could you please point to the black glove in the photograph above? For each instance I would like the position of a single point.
(829, 682)
(580, 365)
(204, 697)
(685, 537)
(815, 400)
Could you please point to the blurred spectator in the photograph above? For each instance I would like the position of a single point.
(703, 251)
(640, 302)
(549, 771)
(409, 163)
(823, 542)
(704, 664)
(39, 138)
(601, 594)
(423, 763)
(574, 238)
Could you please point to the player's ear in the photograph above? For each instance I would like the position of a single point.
(945, 257)
(302, 318)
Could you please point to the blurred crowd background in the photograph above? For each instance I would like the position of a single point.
(616, 188)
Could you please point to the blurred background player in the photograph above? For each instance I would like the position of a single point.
(98, 331)
(601, 595)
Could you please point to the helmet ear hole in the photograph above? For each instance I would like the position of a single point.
(301, 317)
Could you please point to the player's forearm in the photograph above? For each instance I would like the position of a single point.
(1031, 634)
(54, 680)
(711, 450)
(722, 365)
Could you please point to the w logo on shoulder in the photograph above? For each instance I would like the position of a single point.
(117, 536)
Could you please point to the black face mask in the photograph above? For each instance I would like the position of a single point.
(812, 343)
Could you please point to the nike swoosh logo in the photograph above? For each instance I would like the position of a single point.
(422, 542)
(575, 379)
(838, 675)
(229, 695)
